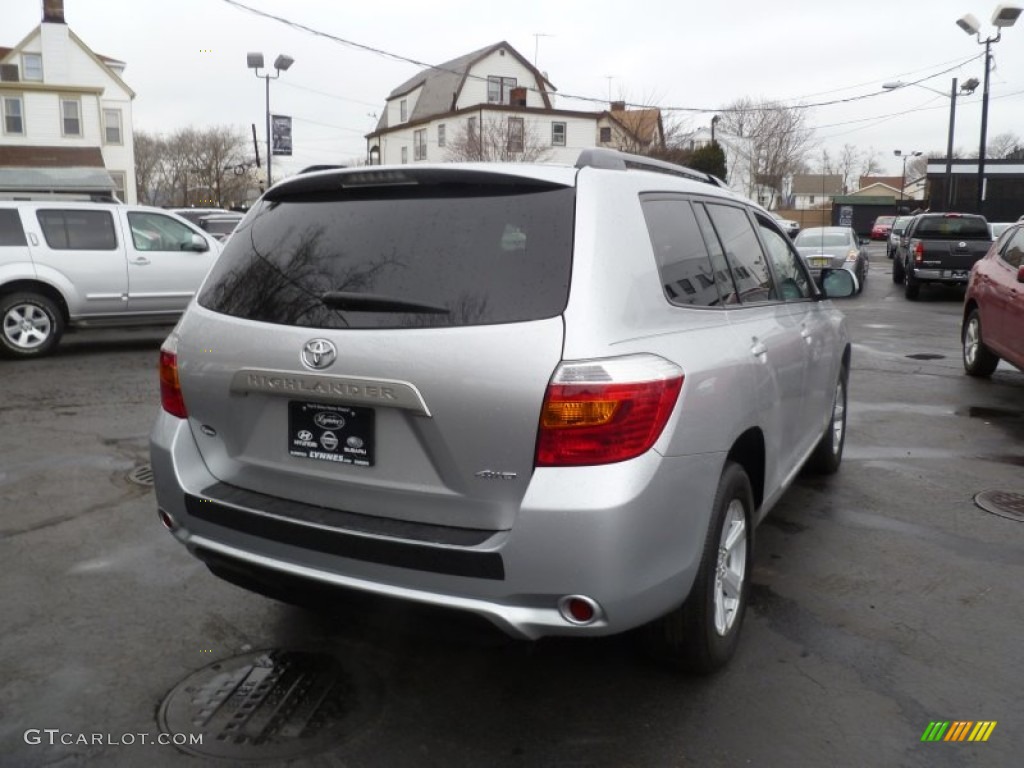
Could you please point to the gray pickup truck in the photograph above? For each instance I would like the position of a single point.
(940, 248)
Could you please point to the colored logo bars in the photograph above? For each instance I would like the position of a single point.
(958, 730)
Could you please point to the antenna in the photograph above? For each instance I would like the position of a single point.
(609, 78)
(536, 45)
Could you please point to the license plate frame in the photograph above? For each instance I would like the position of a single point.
(820, 261)
(341, 434)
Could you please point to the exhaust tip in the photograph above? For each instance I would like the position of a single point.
(167, 520)
(579, 610)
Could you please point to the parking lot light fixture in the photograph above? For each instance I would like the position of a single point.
(1005, 15)
(254, 60)
(903, 179)
(969, 86)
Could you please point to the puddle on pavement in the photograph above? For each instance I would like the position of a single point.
(989, 414)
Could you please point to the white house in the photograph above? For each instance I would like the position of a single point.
(815, 190)
(66, 117)
(741, 175)
(492, 104)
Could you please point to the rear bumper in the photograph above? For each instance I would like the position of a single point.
(628, 536)
(949, 276)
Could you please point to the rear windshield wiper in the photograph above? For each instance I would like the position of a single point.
(370, 302)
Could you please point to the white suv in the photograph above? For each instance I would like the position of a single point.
(558, 397)
(82, 264)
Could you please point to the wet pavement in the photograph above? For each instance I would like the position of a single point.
(884, 599)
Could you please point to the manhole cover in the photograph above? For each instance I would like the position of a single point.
(267, 705)
(926, 356)
(1006, 504)
(142, 475)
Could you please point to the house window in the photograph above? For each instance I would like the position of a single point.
(516, 134)
(499, 89)
(119, 178)
(71, 117)
(419, 144)
(112, 126)
(32, 66)
(405, 155)
(403, 113)
(14, 116)
(810, 199)
(471, 127)
(606, 135)
(440, 135)
(558, 134)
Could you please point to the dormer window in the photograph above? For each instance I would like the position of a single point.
(403, 112)
(32, 67)
(499, 89)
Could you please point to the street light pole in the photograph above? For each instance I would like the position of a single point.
(281, 64)
(949, 148)
(903, 178)
(1005, 15)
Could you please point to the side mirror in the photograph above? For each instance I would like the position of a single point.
(199, 243)
(837, 283)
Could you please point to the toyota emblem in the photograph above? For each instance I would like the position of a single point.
(318, 354)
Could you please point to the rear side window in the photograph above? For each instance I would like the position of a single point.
(749, 267)
(465, 253)
(78, 230)
(687, 276)
(1013, 253)
(11, 232)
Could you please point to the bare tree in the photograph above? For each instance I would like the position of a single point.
(779, 138)
(1003, 145)
(501, 138)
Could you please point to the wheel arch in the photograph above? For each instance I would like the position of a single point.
(37, 286)
(749, 452)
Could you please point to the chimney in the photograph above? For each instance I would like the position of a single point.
(618, 106)
(53, 11)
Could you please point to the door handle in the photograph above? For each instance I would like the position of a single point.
(141, 260)
(758, 349)
(32, 237)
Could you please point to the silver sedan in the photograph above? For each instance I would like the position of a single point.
(835, 247)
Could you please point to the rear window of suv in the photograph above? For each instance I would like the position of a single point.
(428, 253)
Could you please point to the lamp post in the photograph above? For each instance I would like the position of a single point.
(903, 178)
(1003, 16)
(969, 86)
(281, 64)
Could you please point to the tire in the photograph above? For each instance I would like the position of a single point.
(979, 360)
(828, 454)
(911, 288)
(702, 634)
(30, 325)
(897, 271)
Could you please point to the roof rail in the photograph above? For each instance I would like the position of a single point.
(315, 168)
(614, 160)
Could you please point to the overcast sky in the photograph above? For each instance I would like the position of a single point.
(186, 61)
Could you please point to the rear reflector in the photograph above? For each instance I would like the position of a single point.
(170, 387)
(604, 411)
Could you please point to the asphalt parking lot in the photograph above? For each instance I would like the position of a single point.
(884, 598)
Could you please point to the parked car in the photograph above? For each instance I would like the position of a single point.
(76, 264)
(221, 225)
(790, 227)
(899, 226)
(940, 248)
(834, 248)
(996, 228)
(881, 228)
(469, 385)
(994, 307)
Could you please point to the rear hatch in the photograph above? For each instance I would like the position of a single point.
(381, 341)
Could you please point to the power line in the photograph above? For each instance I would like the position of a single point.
(590, 99)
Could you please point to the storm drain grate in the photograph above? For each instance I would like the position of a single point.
(1008, 504)
(926, 356)
(142, 475)
(267, 705)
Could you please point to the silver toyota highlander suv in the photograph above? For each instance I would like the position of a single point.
(558, 397)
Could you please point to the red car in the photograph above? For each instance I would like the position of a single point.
(881, 228)
(994, 307)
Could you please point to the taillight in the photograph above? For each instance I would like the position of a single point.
(919, 251)
(170, 387)
(604, 411)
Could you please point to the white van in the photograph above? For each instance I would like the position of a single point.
(69, 264)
